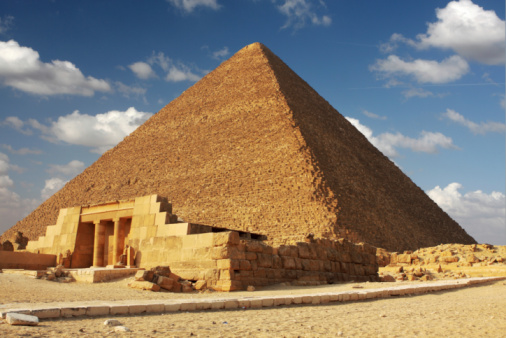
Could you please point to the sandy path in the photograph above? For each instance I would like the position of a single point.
(478, 311)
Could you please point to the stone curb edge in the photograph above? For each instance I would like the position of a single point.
(245, 302)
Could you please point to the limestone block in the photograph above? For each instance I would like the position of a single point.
(118, 309)
(231, 285)
(288, 262)
(137, 308)
(46, 313)
(21, 319)
(217, 304)
(155, 308)
(172, 307)
(97, 310)
(244, 265)
(264, 260)
(250, 256)
(267, 302)
(73, 311)
(226, 238)
(256, 303)
(144, 275)
(254, 246)
(203, 305)
(144, 285)
(231, 304)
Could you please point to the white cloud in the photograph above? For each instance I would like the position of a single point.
(12, 207)
(482, 128)
(189, 5)
(373, 116)
(298, 12)
(4, 164)
(70, 169)
(181, 73)
(416, 92)
(468, 29)
(5, 23)
(464, 27)
(21, 151)
(128, 91)
(142, 70)
(424, 71)
(52, 185)
(16, 123)
(482, 215)
(220, 54)
(388, 143)
(99, 132)
(175, 71)
(21, 68)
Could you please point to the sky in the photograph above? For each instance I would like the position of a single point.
(422, 80)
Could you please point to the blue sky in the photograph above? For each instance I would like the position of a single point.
(423, 80)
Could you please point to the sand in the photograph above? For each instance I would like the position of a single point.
(477, 311)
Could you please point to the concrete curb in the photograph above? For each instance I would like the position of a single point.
(157, 306)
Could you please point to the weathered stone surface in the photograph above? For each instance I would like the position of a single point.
(249, 95)
(143, 285)
(21, 319)
(112, 322)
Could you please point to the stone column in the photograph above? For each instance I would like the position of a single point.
(98, 246)
(118, 237)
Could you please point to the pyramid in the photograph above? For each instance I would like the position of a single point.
(253, 147)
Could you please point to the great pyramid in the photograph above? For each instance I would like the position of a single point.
(253, 147)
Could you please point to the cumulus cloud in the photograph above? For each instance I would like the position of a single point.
(142, 70)
(481, 128)
(299, 12)
(181, 73)
(51, 186)
(482, 215)
(468, 29)
(22, 69)
(190, 5)
(464, 27)
(99, 132)
(70, 169)
(423, 71)
(388, 143)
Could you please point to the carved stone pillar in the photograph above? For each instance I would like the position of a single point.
(98, 246)
(119, 234)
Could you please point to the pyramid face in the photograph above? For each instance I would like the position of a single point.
(253, 147)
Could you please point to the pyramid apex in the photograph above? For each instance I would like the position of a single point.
(254, 46)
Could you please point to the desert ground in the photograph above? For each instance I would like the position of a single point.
(477, 311)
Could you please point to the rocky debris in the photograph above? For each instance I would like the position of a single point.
(112, 322)
(161, 278)
(425, 263)
(57, 274)
(21, 319)
(121, 329)
(250, 288)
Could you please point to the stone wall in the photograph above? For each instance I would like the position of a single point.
(26, 260)
(227, 262)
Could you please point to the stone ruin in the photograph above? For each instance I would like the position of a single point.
(144, 233)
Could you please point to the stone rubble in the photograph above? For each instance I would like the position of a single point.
(21, 319)
(437, 262)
